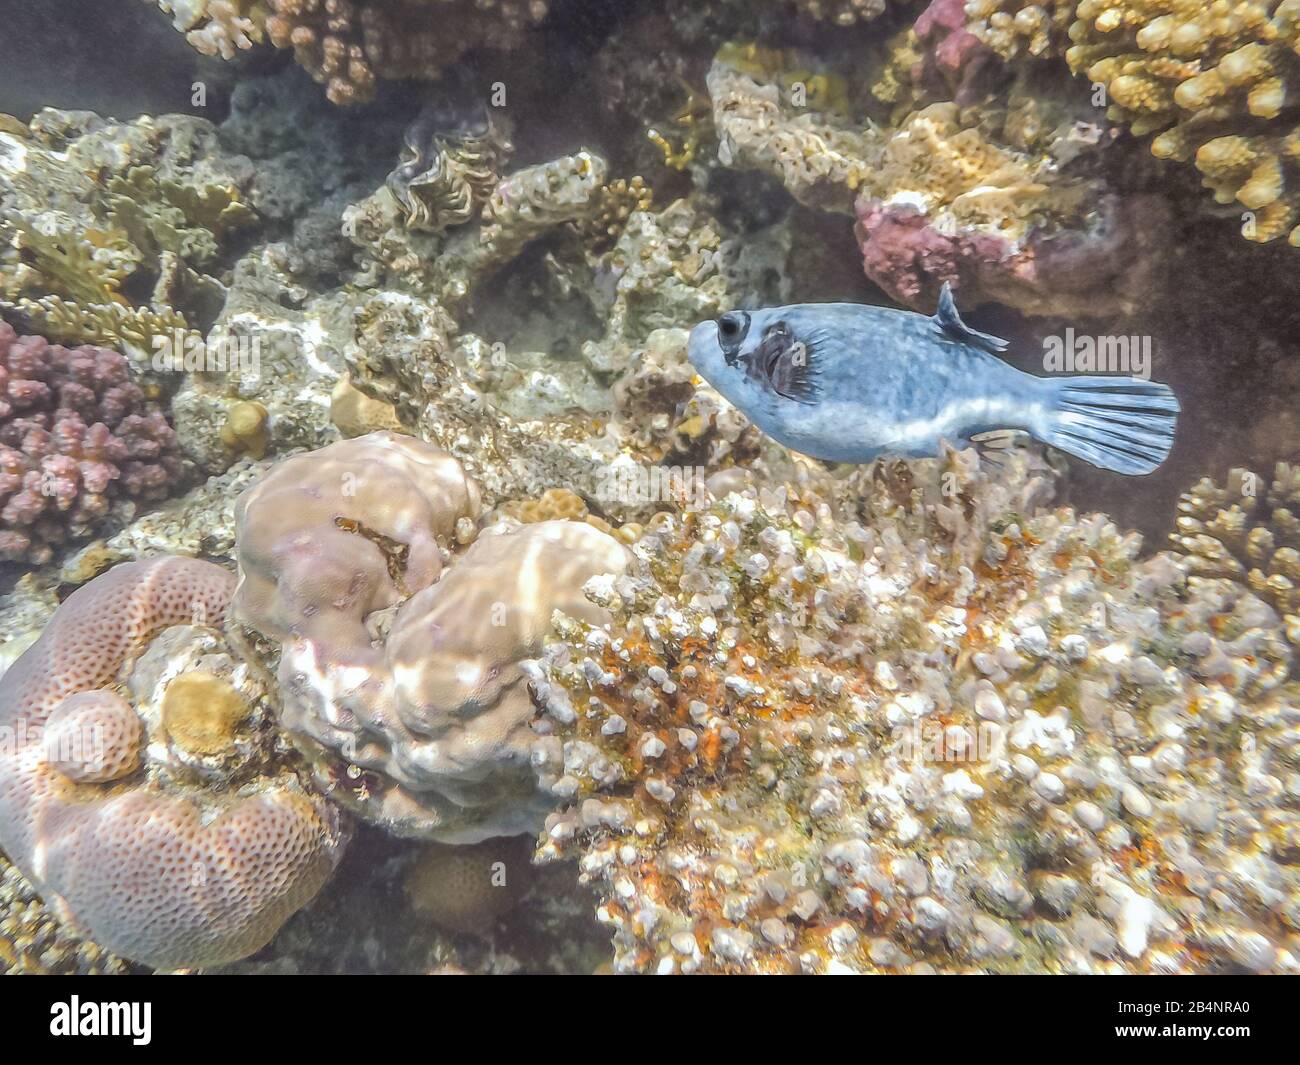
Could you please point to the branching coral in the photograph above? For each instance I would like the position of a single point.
(166, 852)
(1211, 82)
(1248, 534)
(218, 27)
(965, 735)
(75, 435)
(1215, 82)
(347, 46)
(95, 213)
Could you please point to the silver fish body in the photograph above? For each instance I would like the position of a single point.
(847, 383)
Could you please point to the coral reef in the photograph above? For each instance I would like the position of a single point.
(425, 731)
(944, 195)
(347, 46)
(1247, 533)
(96, 215)
(967, 734)
(76, 437)
(489, 572)
(98, 796)
(1210, 82)
(34, 941)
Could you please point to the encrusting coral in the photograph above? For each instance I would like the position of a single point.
(118, 826)
(967, 734)
(76, 436)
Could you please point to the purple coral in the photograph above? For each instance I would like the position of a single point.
(1102, 265)
(954, 58)
(75, 435)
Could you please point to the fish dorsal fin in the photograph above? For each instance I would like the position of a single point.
(949, 323)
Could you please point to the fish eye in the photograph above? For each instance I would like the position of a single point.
(733, 325)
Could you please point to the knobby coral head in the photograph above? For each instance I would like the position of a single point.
(167, 856)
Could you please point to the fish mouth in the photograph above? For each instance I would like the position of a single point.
(703, 342)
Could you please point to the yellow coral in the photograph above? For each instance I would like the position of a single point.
(202, 712)
(246, 431)
(1210, 79)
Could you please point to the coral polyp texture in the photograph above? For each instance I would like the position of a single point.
(1247, 531)
(1209, 84)
(348, 46)
(76, 437)
(401, 681)
(164, 852)
(968, 734)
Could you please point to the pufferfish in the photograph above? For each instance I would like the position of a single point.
(847, 382)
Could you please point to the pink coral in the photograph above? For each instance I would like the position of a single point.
(1105, 268)
(151, 864)
(76, 434)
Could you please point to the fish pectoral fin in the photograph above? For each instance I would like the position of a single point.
(1001, 439)
(949, 323)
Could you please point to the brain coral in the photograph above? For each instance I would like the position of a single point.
(119, 834)
(416, 717)
(75, 435)
(947, 730)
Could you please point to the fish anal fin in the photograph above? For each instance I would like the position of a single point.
(949, 323)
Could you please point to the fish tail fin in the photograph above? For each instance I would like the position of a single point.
(1122, 424)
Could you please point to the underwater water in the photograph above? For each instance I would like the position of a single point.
(610, 486)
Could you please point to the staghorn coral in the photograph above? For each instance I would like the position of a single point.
(426, 730)
(963, 734)
(76, 437)
(95, 801)
(1247, 534)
